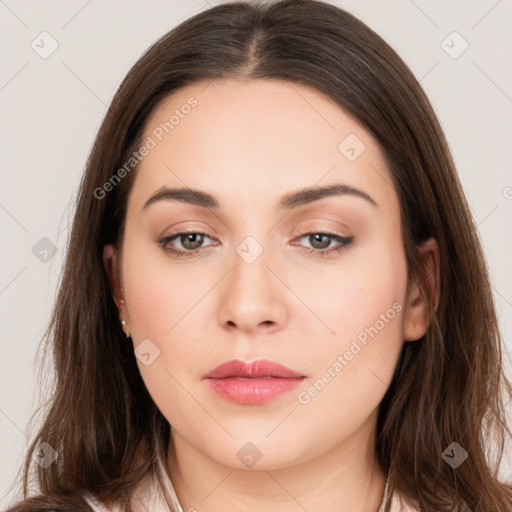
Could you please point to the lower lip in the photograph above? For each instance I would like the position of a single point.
(252, 391)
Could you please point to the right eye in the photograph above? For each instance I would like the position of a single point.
(191, 242)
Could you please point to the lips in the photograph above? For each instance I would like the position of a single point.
(251, 370)
(252, 383)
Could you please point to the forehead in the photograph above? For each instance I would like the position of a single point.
(256, 139)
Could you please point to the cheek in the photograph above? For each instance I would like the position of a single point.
(351, 296)
(163, 303)
(363, 303)
(158, 291)
(167, 305)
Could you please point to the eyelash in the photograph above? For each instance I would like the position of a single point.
(345, 242)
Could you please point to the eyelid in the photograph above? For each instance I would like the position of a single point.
(325, 230)
(330, 234)
(175, 228)
(177, 234)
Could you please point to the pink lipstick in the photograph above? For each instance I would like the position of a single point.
(252, 383)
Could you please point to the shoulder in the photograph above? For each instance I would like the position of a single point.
(50, 503)
(148, 496)
(398, 504)
(97, 506)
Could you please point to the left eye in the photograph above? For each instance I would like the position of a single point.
(318, 240)
(321, 243)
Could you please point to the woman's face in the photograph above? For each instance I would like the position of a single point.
(251, 159)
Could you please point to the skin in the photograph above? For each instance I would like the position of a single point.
(248, 143)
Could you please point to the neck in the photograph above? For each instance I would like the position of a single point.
(347, 478)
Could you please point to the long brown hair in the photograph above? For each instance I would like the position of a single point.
(448, 387)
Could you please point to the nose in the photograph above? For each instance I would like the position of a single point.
(252, 298)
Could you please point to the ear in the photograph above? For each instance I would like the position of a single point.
(417, 316)
(111, 263)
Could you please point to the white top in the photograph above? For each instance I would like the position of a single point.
(149, 497)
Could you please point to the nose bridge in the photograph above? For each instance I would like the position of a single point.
(251, 294)
(250, 275)
(254, 240)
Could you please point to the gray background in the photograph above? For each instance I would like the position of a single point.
(51, 109)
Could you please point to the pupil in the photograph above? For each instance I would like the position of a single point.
(189, 238)
(317, 238)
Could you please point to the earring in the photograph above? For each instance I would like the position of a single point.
(123, 323)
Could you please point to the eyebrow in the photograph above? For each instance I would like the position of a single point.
(289, 201)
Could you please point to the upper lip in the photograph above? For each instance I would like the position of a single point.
(248, 369)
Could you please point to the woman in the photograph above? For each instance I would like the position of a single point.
(274, 296)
